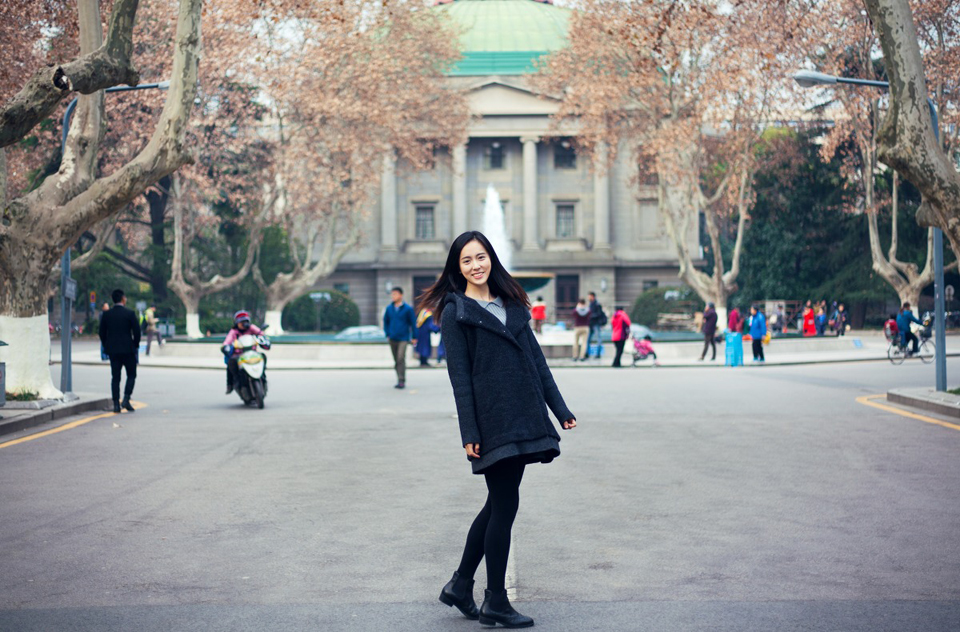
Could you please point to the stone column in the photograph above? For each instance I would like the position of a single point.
(601, 199)
(388, 203)
(459, 190)
(531, 237)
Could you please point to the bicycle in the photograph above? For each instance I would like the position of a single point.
(897, 352)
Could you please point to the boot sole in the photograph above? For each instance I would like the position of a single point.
(492, 623)
(444, 599)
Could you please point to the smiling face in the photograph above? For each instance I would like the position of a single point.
(475, 264)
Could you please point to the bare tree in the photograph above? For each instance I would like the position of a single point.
(687, 89)
(38, 226)
(906, 140)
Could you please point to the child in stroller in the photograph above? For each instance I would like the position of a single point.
(643, 349)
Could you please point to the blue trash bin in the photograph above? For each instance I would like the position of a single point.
(733, 344)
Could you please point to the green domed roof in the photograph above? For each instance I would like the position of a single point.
(505, 37)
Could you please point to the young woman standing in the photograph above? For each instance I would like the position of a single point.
(502, 387)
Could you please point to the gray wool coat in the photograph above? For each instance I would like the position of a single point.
(501, 383)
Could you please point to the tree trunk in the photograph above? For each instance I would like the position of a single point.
(24, 325)
(157, 200)
(36, 228)
(906, 138)
(192, 304)
(681, 201)
(184, 281)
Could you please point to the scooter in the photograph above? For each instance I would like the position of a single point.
(252, 379)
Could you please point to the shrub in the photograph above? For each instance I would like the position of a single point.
(654, 302)
(336, 314)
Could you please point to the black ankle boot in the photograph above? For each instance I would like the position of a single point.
(459, 592)
(127, 405)
(496, 609)
(116, 406)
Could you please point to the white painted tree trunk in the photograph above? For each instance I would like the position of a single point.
(721, 318)
(273, 321)
(28, 355)
(193, 325)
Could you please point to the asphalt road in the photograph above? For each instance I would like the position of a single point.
(761, 498)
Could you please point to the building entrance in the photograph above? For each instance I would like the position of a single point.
(568, 291)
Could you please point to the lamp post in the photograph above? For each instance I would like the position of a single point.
(812, 78)
(68, 287)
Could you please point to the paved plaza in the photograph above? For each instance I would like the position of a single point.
(757, 498)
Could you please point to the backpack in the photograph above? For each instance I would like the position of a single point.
(603, 318)
(143, 324)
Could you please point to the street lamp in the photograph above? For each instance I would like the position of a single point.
(68, 287)
(812, 78)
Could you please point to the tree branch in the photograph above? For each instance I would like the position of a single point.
(165, 152)
(108, 65)
(101, 235)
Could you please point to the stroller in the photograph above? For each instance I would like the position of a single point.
(643, 349)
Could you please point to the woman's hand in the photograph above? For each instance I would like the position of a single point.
(473, 450)
(570, 423)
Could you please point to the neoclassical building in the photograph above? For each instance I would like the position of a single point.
(572, 227)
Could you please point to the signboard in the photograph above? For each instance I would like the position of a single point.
(70, 289)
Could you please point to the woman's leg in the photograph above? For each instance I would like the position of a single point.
(473, 549)
(503, 485)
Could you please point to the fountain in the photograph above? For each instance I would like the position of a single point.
(495, 227)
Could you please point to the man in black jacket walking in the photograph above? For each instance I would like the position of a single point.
(120, 336)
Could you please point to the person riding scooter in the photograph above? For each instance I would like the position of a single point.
(241, 326)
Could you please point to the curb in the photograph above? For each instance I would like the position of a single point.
(927, 399)
(559, 365)
(46, 415)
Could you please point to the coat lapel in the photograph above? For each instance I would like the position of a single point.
(470, 312)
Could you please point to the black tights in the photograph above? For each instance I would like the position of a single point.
(490, 533)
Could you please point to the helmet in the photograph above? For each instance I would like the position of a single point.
(241, 316)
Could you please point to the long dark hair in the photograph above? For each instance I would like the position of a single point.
(502, 285)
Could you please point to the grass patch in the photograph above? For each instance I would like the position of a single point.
(23, 396)
(955, 391)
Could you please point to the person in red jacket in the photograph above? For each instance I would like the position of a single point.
(734, 321)
(621, 332)
(538, 312)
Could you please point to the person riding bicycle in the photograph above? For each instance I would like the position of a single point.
(903, 324)
(241, 327)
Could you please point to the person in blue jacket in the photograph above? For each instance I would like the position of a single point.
(399, 323)
(758, 329)
(904, 318)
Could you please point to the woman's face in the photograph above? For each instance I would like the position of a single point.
(475, 263)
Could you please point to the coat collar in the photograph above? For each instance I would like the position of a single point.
(469, 311)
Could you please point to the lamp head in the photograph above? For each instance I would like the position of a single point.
(164, 85)
(811, 78)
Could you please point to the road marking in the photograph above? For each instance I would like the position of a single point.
(865, 400)
(69, 426)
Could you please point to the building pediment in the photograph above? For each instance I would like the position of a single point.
(498, 98)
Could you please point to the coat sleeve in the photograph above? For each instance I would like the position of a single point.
(461, 377)
(550, 391)
(135, 328)
(386, 322)
(103, 330)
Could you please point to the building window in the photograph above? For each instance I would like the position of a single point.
(342, 287)
(493, 156)
(425, 225)
(650, 285)
(566, 228)
(564, 155)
